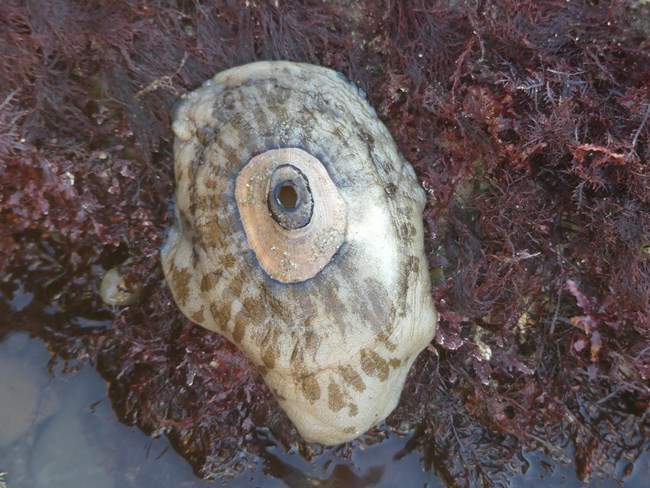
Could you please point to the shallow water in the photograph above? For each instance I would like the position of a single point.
(60, 432)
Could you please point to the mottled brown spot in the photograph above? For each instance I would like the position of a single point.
(384, 337)
(268, 357)
(394, 363)
(268, 337)
(203, 204)
(353, 410)
(221, 314)
(240, 329)
(255, 309)
(223, 150)
(407, 231)
(205, 135)
(211, 183)
(350, 430)
(198, 316)
(236, 284)
(390, 189)
(227, 260)
(370, 140)
(262, 369)
(403, 281)
(181, 285)
(374, 365)
(310, 388)
(210, 237)
(278, 310)
(352, 378)
(208, 282)
(335, 400)
(409, 274)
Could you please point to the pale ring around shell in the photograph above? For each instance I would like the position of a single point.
(298, 235)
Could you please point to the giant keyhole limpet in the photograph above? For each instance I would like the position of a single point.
(298, 236)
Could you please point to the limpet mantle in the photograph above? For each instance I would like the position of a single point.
(335, 321)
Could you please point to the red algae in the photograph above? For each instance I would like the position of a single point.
(528, 124)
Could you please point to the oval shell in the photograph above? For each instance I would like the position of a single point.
(119, 287)
(290, 255)
(333, 303)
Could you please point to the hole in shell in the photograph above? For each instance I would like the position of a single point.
(287, 196)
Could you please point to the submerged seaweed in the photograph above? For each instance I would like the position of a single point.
(528, 124)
